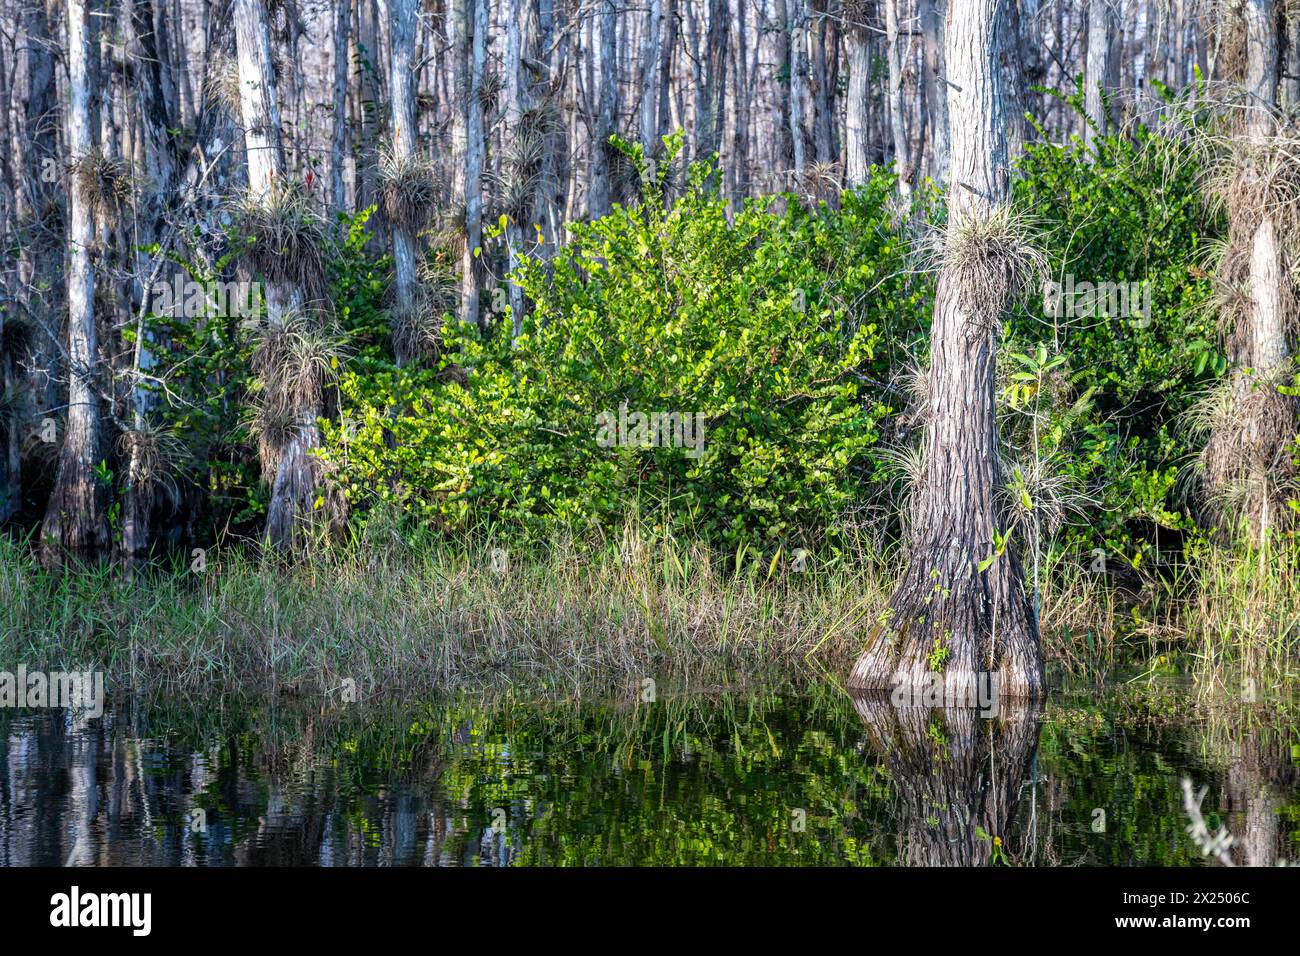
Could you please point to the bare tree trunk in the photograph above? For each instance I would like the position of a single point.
(947, 613)
(159, 170)
(894, 99)
(932, 14)
(698, 108)
(40, 172)
(261, 111)
(11, 480)
(823, 127)
(1178, 44)
(74, 519)
(738, 168)
(551, 54)
(715, 122)
(650, 53)
(783, 141)
(401, 15)
(857, 113)
(667, 49)
(1290, 92)
(1102, 25)
(11, 494)
(1265, 350)
(1029, 63)
(1013, 81)
(459, 13)
(164, 25)
(798, 84)
(598, 173)
(513, 127)
(475, 158)
(11, 475)
(288, 461)
(339, 128)
(365, 97)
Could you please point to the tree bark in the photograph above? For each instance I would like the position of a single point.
(741, 80)
(823, 119)
(782, 140)
(401, 17)
(598, 186)
(339, 126)
(894, 99)
(667, 50)
(475, 159)
(1102, 25)
(1290, 91)
(650, 92)
(1263, 352)
(798, 84)
(932, 14)
(297, 472)
(947, 614)
(11, 481)
(158, 162)
(40, 171)
(514, 69)
(857, 111)
(74, 518)
(715, 121)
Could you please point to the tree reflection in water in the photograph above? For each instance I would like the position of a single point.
(957, 776)
(692, 779)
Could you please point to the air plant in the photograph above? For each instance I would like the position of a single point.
(273, 427)
(417, 325)
(438, 278)
(285, 238)
(104, 185)
(221, 81)
(523, 162)
(1248, 418)
(1038, 495)
(905, 466)
(989, 261)
(155, 456)
(1250, 422)
(410, 188)
(294, 360)
(1249, 179)
(490, 89)
(820, 181)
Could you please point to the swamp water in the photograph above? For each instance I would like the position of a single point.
(760, 778)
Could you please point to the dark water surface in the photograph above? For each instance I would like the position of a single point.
(759, 778)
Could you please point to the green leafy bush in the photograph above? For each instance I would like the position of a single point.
(1128, 210)
(768, 326)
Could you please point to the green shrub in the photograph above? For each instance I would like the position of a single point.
(768, 326)
(1128, 210)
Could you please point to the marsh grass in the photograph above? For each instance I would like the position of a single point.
(1243, 619)
(400, 617)
(394, 618)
